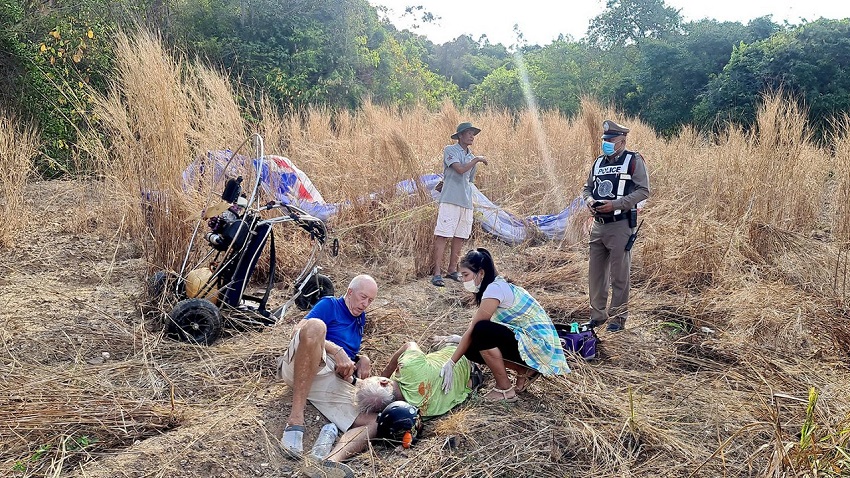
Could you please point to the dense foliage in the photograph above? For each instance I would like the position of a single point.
(54, 58)
(638, 56)
(811, 62)
(305, 52)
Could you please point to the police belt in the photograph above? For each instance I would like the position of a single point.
(606, 220)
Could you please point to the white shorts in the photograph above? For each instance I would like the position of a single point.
(331, 395)
(453, 221)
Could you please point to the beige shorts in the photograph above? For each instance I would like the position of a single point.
(331, 395)
(453, 221)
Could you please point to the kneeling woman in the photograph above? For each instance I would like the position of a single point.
(510, 330)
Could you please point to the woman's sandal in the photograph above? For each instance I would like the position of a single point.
(503, 398)
(529, 377)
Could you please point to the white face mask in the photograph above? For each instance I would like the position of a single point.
(470, 286)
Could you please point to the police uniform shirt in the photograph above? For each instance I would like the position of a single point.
(640, 179)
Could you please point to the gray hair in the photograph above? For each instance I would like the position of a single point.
(361, 280)
(372, 396)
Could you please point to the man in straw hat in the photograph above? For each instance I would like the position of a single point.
(322, 365)
(454, 219)
(617, 183)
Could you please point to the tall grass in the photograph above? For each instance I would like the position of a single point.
(723, 208)
(840, 178)
(161, 114)
(720, 206)
(19, 144)
(739, 201)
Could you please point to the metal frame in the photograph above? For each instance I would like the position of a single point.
(233, 257)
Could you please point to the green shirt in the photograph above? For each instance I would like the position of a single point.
(418, 377)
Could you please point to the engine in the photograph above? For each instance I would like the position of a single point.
(230, 227)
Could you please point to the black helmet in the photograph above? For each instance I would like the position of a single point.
(400, 423)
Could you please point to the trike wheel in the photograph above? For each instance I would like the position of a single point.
(158, 284)
(196, 321)
(316, 287)
(161, 287)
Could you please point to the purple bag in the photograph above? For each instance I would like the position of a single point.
(580, 339)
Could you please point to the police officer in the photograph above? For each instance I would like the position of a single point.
(617, 183)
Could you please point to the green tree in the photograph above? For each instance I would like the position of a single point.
(670, 73)
(402, 78)
(500, 89)
(632, 21)
(762, 28)
(558, 75)
(302, 52)
(810, 61)
(561, 73)
(58, 54)
(466, 62)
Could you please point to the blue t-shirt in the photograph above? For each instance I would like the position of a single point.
(344, 329)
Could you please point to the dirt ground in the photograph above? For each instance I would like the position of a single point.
(71, 292)
(80, 360)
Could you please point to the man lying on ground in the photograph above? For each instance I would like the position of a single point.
(415, 377)
(412, 376)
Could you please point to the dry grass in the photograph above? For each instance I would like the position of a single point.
(161, 114)
(19, 143)
(739, 293)
(70, 412)
(840, 203)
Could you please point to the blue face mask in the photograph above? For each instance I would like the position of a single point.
(608, 148)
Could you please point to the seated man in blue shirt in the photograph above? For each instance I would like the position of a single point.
(322, 362)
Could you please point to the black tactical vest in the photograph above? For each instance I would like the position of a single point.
(613, 180)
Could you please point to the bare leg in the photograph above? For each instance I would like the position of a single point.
(454, 254)
(518, 368)
(493, 359)
(523, 375)
(439, 251)
(356, 439)
(306, 361)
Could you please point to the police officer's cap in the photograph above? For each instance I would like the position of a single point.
(611, 129)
